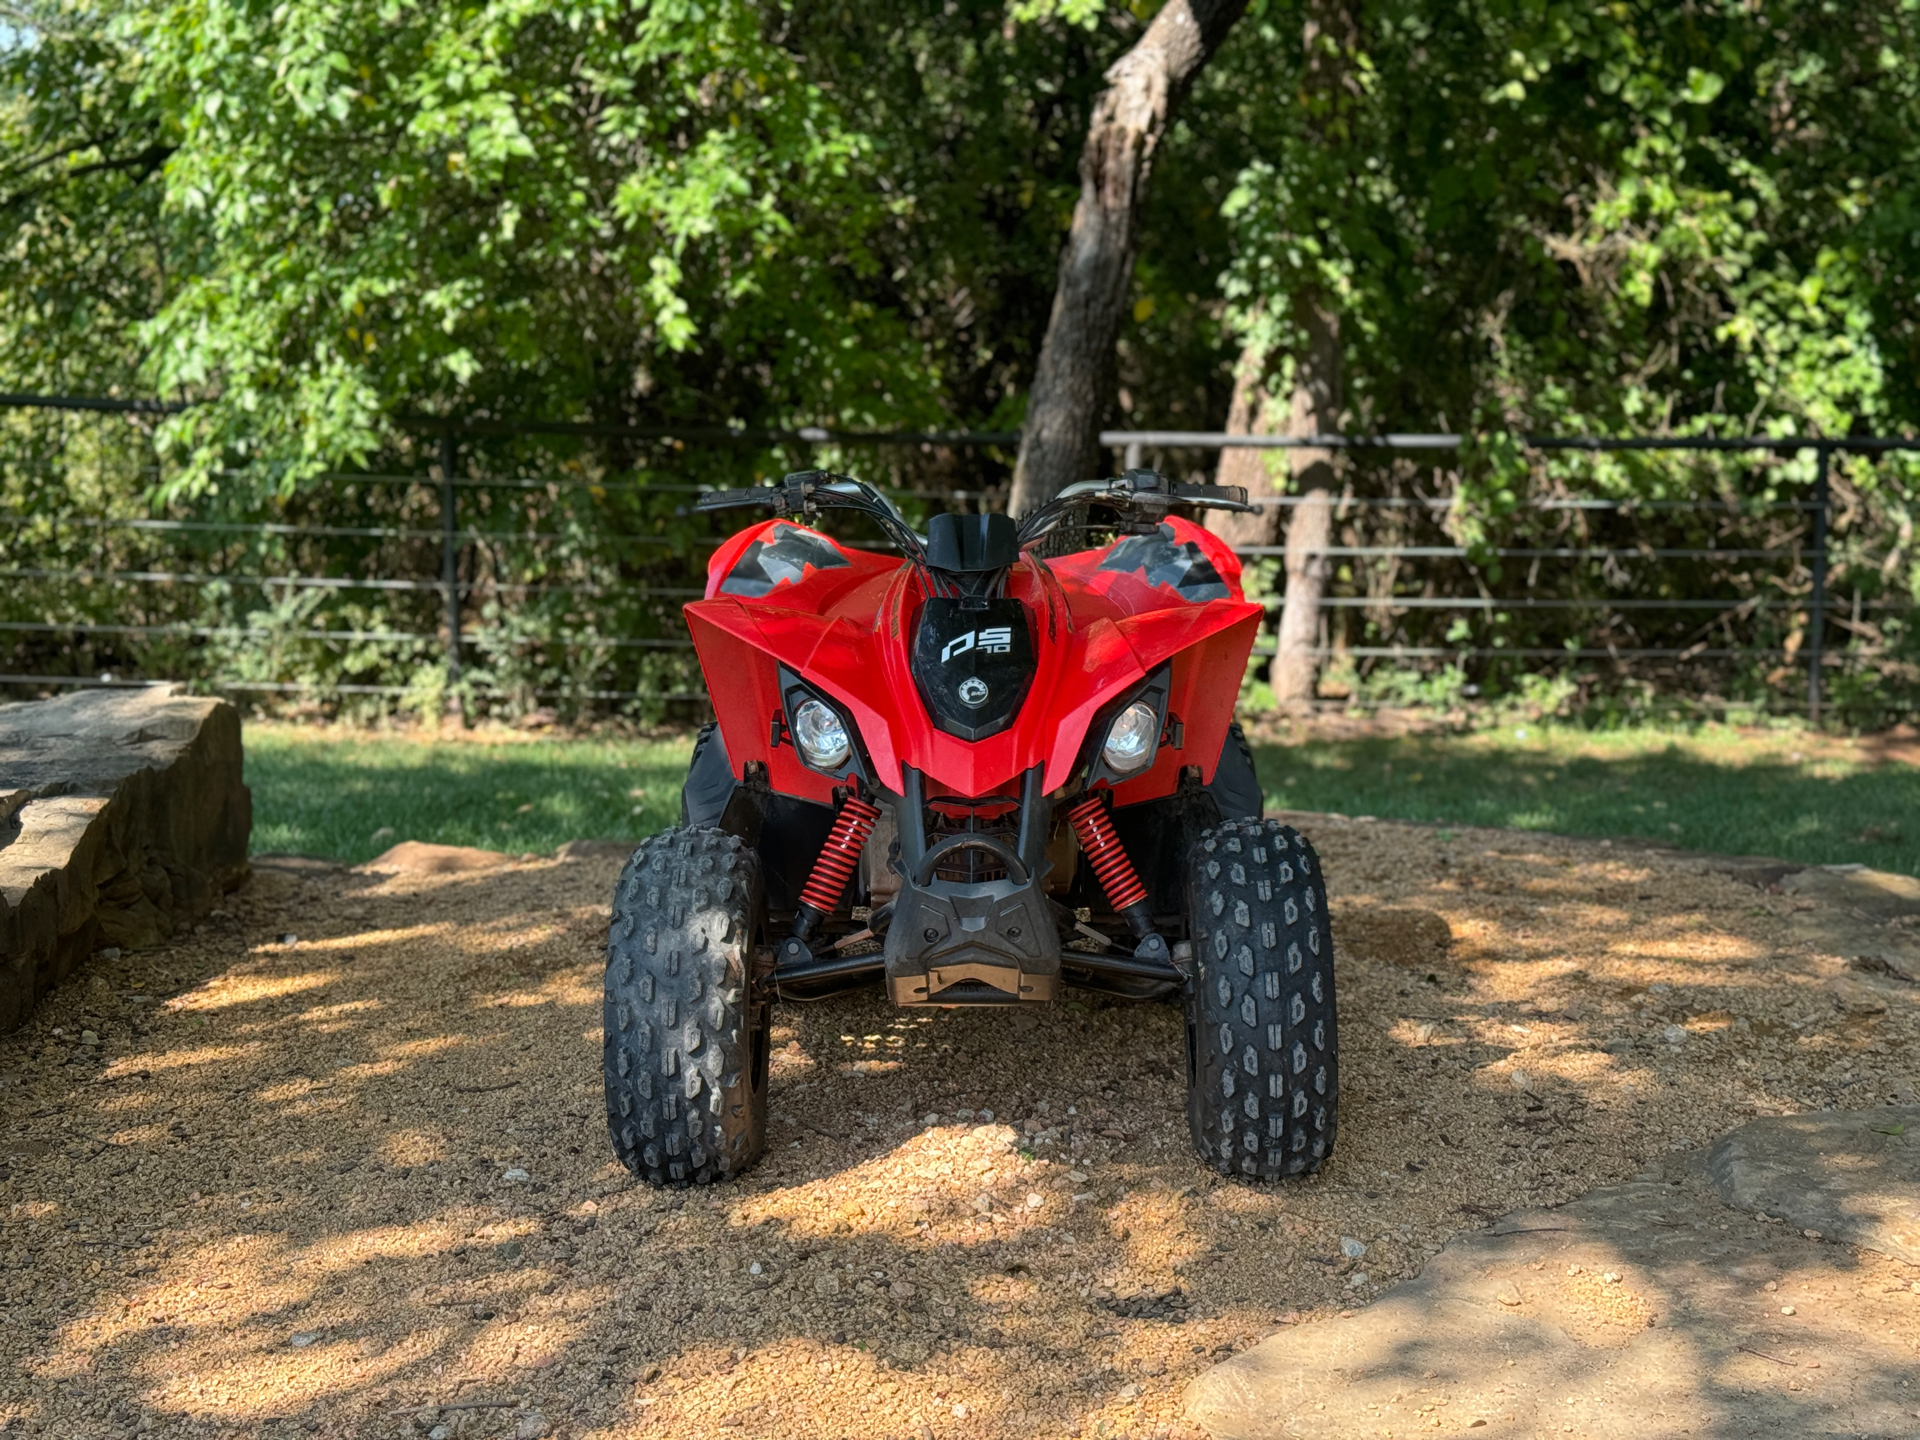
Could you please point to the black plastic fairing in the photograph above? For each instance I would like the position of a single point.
(1162, 560)
(973, 663)
(783, 558)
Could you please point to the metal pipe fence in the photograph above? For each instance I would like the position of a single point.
(441, 561)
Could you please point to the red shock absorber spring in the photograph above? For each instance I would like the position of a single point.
(828, 882)
(1101, 844)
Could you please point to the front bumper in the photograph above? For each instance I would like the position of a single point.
(990, 943)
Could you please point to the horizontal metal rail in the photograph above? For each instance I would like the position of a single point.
(1496, 602)
(368, 637)
(324, 582)
(289, 687)
(337, 532)
(1461, 552)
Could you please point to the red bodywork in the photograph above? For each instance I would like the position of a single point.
(848, 630)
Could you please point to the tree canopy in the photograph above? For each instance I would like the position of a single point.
(316, 217)
(321, 219)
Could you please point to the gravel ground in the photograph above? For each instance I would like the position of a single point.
(336, 1164)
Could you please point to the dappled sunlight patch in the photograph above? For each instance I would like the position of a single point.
(365, 944)
(192, 1057)
(974, 1174)
(238, 988)
(412, 1147)
(426, 1048)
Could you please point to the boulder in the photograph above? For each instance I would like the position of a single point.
(123, 813)
(1852, 1175)
(1644, 1309)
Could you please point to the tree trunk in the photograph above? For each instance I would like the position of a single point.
(1315, 410)
(1061, 440)
(1254, 469)
(1331, 40)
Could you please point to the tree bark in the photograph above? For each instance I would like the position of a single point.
(1314, 410)
(1060, 442)
(1254, 469)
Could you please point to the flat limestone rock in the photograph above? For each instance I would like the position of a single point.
(1878, 895)
(123, 815)
(1868, 918)
(1640, 1310)
(1853, 1175)
(417, 857)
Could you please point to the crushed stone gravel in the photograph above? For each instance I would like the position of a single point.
(335, 1164)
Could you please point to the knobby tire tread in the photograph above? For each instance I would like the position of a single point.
(685, 1051)
(1263, 1043)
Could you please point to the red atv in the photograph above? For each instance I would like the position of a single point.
(979, 770)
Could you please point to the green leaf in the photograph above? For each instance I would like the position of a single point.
(1703, 86)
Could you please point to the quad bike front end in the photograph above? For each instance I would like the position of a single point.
(978, 777)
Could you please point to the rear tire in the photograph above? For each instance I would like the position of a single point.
(1263, 1072)
(686, 1043)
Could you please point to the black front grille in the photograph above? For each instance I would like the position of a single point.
(996, 817)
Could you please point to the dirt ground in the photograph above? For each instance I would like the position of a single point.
(335, 1164)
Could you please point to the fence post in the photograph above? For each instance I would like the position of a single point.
(450, 552)
(1817, 605)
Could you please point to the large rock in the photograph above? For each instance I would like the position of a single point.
(122, 815)
(1852, 1175)
(1868, 918)
(1641, 1310)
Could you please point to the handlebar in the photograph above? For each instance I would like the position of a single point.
(1140, 494)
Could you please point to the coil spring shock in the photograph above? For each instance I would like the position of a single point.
(1101, 845)
(840, 855)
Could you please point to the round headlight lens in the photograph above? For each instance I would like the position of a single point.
(1130, 738)
(821, 735)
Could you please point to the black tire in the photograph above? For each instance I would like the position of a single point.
(1263, 1067)
(685, 1040)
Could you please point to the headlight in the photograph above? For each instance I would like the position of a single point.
(821, 735)
(1131, 736)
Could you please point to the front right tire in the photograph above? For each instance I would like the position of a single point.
(1263, 1054)
(685, 1052)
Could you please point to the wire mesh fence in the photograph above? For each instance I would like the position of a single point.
(517, 568)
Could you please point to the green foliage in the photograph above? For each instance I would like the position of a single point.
(322, 220)
(1606, 220)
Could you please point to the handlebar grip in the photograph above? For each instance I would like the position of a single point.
(1217, 497)
(749, 498)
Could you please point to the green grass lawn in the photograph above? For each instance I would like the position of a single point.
(1798, 796)
(352, 794)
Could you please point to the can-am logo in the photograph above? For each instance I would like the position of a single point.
(998, 640)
